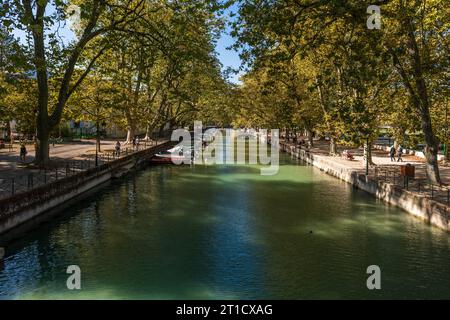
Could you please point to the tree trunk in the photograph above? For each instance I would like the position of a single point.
(43, 127)
(368, 153)
(331, 132)
(447, 153)
(98, 144)
(35, 17)
(417, 88)
(431, 143)
(431, 155)
(130, 134)
(9, 131)
(42, 143)
(161, 130)
(148, 133)
(310, 136)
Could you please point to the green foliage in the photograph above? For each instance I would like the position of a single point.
(135, 64)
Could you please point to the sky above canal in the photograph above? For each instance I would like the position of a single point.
(228, 58)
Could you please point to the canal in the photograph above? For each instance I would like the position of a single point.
(227, 232)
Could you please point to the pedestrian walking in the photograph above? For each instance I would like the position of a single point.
(134, 143)
(138, 141)
(118, 149)
(392, 153)
(23, 152)
(400, 154)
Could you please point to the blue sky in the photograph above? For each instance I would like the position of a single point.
(229, 58)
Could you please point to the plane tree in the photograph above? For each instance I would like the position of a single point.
(40, 20)
(411, 42)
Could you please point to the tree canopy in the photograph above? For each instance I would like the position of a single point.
(313, 66)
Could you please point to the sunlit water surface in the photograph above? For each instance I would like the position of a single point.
(227, 232)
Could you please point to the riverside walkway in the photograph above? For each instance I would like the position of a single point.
(67, 159)
(387, 171)
(33, 197)
(380, 158)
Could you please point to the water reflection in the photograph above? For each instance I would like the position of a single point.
(227, 232)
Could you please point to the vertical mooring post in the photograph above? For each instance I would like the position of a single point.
(367, 156)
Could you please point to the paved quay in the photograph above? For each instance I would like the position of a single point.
(380, 158)
(70, 157)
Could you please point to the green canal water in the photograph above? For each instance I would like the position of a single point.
(227, 232)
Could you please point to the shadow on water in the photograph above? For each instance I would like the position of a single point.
(228, 232)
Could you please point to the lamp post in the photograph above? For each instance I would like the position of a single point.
(446, 153)
(99, 123)
(367, 155)
(96, 142)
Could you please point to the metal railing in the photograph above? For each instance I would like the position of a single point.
(35, 178)
(392, 175)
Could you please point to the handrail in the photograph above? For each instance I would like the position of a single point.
(423, 186)
(11, 186)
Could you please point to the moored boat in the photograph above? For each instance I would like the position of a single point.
(171, 156)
